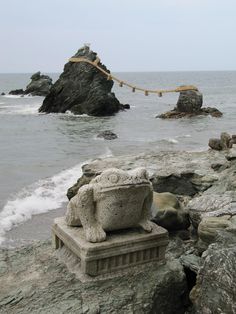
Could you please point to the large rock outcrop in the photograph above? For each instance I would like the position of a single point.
(82, 89)
(189, 101)
(40, 85)
(33, 280)
(181, 173)
(189, 104)
(214, 292)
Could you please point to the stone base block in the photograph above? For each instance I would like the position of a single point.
(121, 249)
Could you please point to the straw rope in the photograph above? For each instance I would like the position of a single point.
(110, 76)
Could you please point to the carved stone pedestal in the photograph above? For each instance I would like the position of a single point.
(121, 249)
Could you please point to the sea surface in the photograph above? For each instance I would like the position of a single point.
(41, 154)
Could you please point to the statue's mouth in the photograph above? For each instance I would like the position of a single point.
(126, 186)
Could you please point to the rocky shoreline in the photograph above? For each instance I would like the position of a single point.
(199, 274)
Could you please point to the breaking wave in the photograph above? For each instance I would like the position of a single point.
(38, 198)
(23, 109)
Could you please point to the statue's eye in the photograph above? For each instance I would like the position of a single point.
(113, 178)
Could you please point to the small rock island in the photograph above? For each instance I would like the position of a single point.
(189, 105)
(40, 85)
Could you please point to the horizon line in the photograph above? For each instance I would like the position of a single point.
(146, 71)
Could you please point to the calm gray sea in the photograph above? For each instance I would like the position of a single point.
(41, 154)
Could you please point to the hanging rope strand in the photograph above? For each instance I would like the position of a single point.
(109, 76)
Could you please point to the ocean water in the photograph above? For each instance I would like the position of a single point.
(41, 154)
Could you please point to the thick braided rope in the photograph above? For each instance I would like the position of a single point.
(109, 76)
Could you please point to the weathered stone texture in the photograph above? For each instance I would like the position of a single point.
(122, 249)
(82, 89)
(215, 291)
(114, 200)
(42, 284)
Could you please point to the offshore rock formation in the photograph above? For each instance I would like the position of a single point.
(95, 205)
(224, 142)
(107, 135)
(16, 92)
(82, 89)
(40, 85)
(189, 105)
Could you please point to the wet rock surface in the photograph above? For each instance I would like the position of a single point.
(16, 92)
(189, 101)
(181, 173)
(214, 291)
(43, 284)
(107, 135)
(200, 259)
(189, 105)
(82, 89)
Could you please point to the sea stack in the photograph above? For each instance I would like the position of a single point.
(39, 86)
(82, 89)
(189, 104)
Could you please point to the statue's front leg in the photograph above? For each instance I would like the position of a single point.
(72, 213)
(93, 229)
(145, 222)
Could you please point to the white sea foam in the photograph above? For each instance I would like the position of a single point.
(108, 153)
(38, 198)
(172, 140)
(24, 109)
(96, 138)
(20, 96)
(184, 136)
(69, 113)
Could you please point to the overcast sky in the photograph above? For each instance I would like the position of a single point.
(129, 35)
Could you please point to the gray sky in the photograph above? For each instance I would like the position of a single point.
(131, 35)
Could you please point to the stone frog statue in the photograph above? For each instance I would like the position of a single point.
(113, 200)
